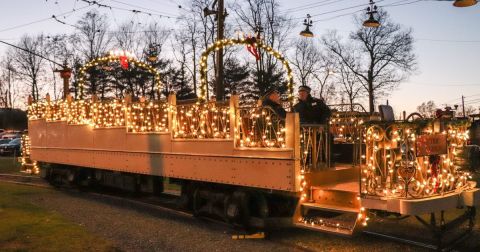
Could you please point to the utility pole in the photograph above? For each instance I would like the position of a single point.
(220, 16)
(220, 23)
(9, 102)
(463, 106)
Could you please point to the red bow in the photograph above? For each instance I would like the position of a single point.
(253, 50)
(124, 62)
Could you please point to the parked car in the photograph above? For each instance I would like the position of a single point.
(5, 141)
(12, 147)
(11, 136)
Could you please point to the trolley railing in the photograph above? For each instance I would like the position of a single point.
(259, 127)
(314, 147)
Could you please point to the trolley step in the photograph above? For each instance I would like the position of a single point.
(330, 208)
(345, 229)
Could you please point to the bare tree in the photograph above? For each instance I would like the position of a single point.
(93, 35)
(263, 16)
(200, 32)
(192, 26)
(7, 79)
(28, 66)
(323, 86)
(381, 57)
(306, 60)
(59, 49)
(93, 43)
(427, 109)
(126, 37)
(351, 86)
(469, 109)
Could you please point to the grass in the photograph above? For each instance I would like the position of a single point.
(26, 227)
(8, 164)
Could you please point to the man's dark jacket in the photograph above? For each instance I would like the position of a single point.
(313, 111)
(277, 108)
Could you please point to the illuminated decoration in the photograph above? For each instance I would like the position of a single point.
(362, 218)
(106, 114)
(80, 112)
(136, 117)
(254, 127)
(393, 165)
(202, 121)
(241, 41)
(313, 147)
(259, 127)
(28, 165)
(147, 117)
(125, 59)
(345, 122)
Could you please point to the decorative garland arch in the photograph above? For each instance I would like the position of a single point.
(242, 41)
(124, 58)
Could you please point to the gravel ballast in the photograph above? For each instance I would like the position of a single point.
(134, 227)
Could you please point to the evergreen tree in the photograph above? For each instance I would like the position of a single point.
(237, 79)
(266, 79)
(179, 83)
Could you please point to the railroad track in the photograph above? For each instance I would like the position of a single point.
(29, 180)
(159, 203)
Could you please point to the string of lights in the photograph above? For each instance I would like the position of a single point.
(395, 165)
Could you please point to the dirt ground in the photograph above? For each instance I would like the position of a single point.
(135, 228)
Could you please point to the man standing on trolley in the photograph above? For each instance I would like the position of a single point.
(311, 110)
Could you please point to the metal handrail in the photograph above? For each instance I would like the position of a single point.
(315, 146)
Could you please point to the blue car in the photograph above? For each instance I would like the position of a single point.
(13, 147)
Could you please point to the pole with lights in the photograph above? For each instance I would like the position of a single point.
(220, 17)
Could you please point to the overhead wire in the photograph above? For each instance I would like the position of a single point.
(307, 7)
(108, 32)
(124, 9)
(394, 4)
(33, 53)
(41, 20)
(137, 6)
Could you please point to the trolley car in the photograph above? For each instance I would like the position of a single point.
(245, 165)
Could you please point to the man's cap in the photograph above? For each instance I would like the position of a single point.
(304, 88)
(270, 91)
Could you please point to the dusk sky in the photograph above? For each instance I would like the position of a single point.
(447, 38)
